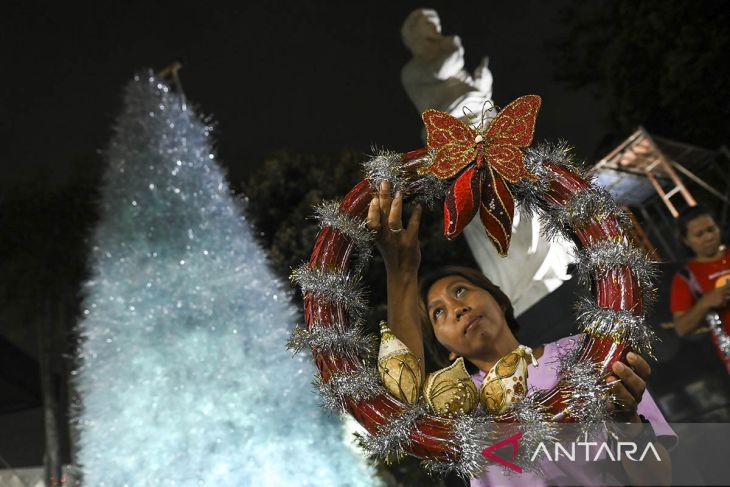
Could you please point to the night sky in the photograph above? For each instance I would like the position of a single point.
(314, 77)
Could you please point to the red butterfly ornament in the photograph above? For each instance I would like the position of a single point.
(498, 161)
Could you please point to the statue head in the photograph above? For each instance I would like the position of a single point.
(421, 33)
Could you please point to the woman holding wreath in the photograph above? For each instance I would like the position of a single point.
(457, 312)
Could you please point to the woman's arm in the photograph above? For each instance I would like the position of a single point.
(401, 252)
(686, 322)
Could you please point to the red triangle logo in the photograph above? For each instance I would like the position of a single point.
(512, 440)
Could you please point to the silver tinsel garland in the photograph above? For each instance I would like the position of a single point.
(359, 385)
(537, 427)
(349, 341)
(718, 330)
(329, 215)
(586, 206)
(333, 286)
(531, 193)
(391, 439)
(471, 434)
(607, 255)
(590, 396)
(618, 325)
(474, 432)
(559, 153)
(386, 165)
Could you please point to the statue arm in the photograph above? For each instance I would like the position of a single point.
(483, 77)
(453, 63)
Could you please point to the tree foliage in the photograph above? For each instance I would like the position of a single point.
(658, 64)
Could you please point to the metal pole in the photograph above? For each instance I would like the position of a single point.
(699, 181)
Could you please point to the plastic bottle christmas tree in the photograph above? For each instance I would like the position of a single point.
(184, 377)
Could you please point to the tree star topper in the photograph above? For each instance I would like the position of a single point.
(483, 186)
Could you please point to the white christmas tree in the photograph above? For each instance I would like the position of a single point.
(184, 377)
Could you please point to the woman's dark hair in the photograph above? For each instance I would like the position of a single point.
(437, 352)
(689, 214)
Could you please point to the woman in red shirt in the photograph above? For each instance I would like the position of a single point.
(701, 291)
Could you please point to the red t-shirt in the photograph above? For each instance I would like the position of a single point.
(708, 275)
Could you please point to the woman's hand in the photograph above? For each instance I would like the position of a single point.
(718, 298)
(398, 245)
(688, 321)
(628, 386)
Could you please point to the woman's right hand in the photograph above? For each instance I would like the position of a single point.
(398, 245)
(718, 298)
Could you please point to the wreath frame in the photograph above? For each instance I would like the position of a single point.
(612, 319)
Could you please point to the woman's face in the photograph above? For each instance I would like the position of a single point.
(466, 319)
(703, 236)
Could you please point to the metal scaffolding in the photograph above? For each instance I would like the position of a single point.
(648, 174)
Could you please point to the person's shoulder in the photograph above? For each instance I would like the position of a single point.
(680, 277)
(683, 275)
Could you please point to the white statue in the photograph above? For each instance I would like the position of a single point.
(435, 78)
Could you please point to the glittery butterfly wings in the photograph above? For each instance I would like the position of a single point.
(452, 142)
(482, 187)
(454, 145)
(512, 129)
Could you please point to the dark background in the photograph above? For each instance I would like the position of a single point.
(309, 76)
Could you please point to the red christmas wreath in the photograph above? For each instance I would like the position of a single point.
(490, 167)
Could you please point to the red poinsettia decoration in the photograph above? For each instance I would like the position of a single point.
(483, 186)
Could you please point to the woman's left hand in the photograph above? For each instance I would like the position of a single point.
(628, 386)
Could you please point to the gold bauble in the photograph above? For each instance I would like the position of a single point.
(506, 381)
(451, 391)
(398, 367)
